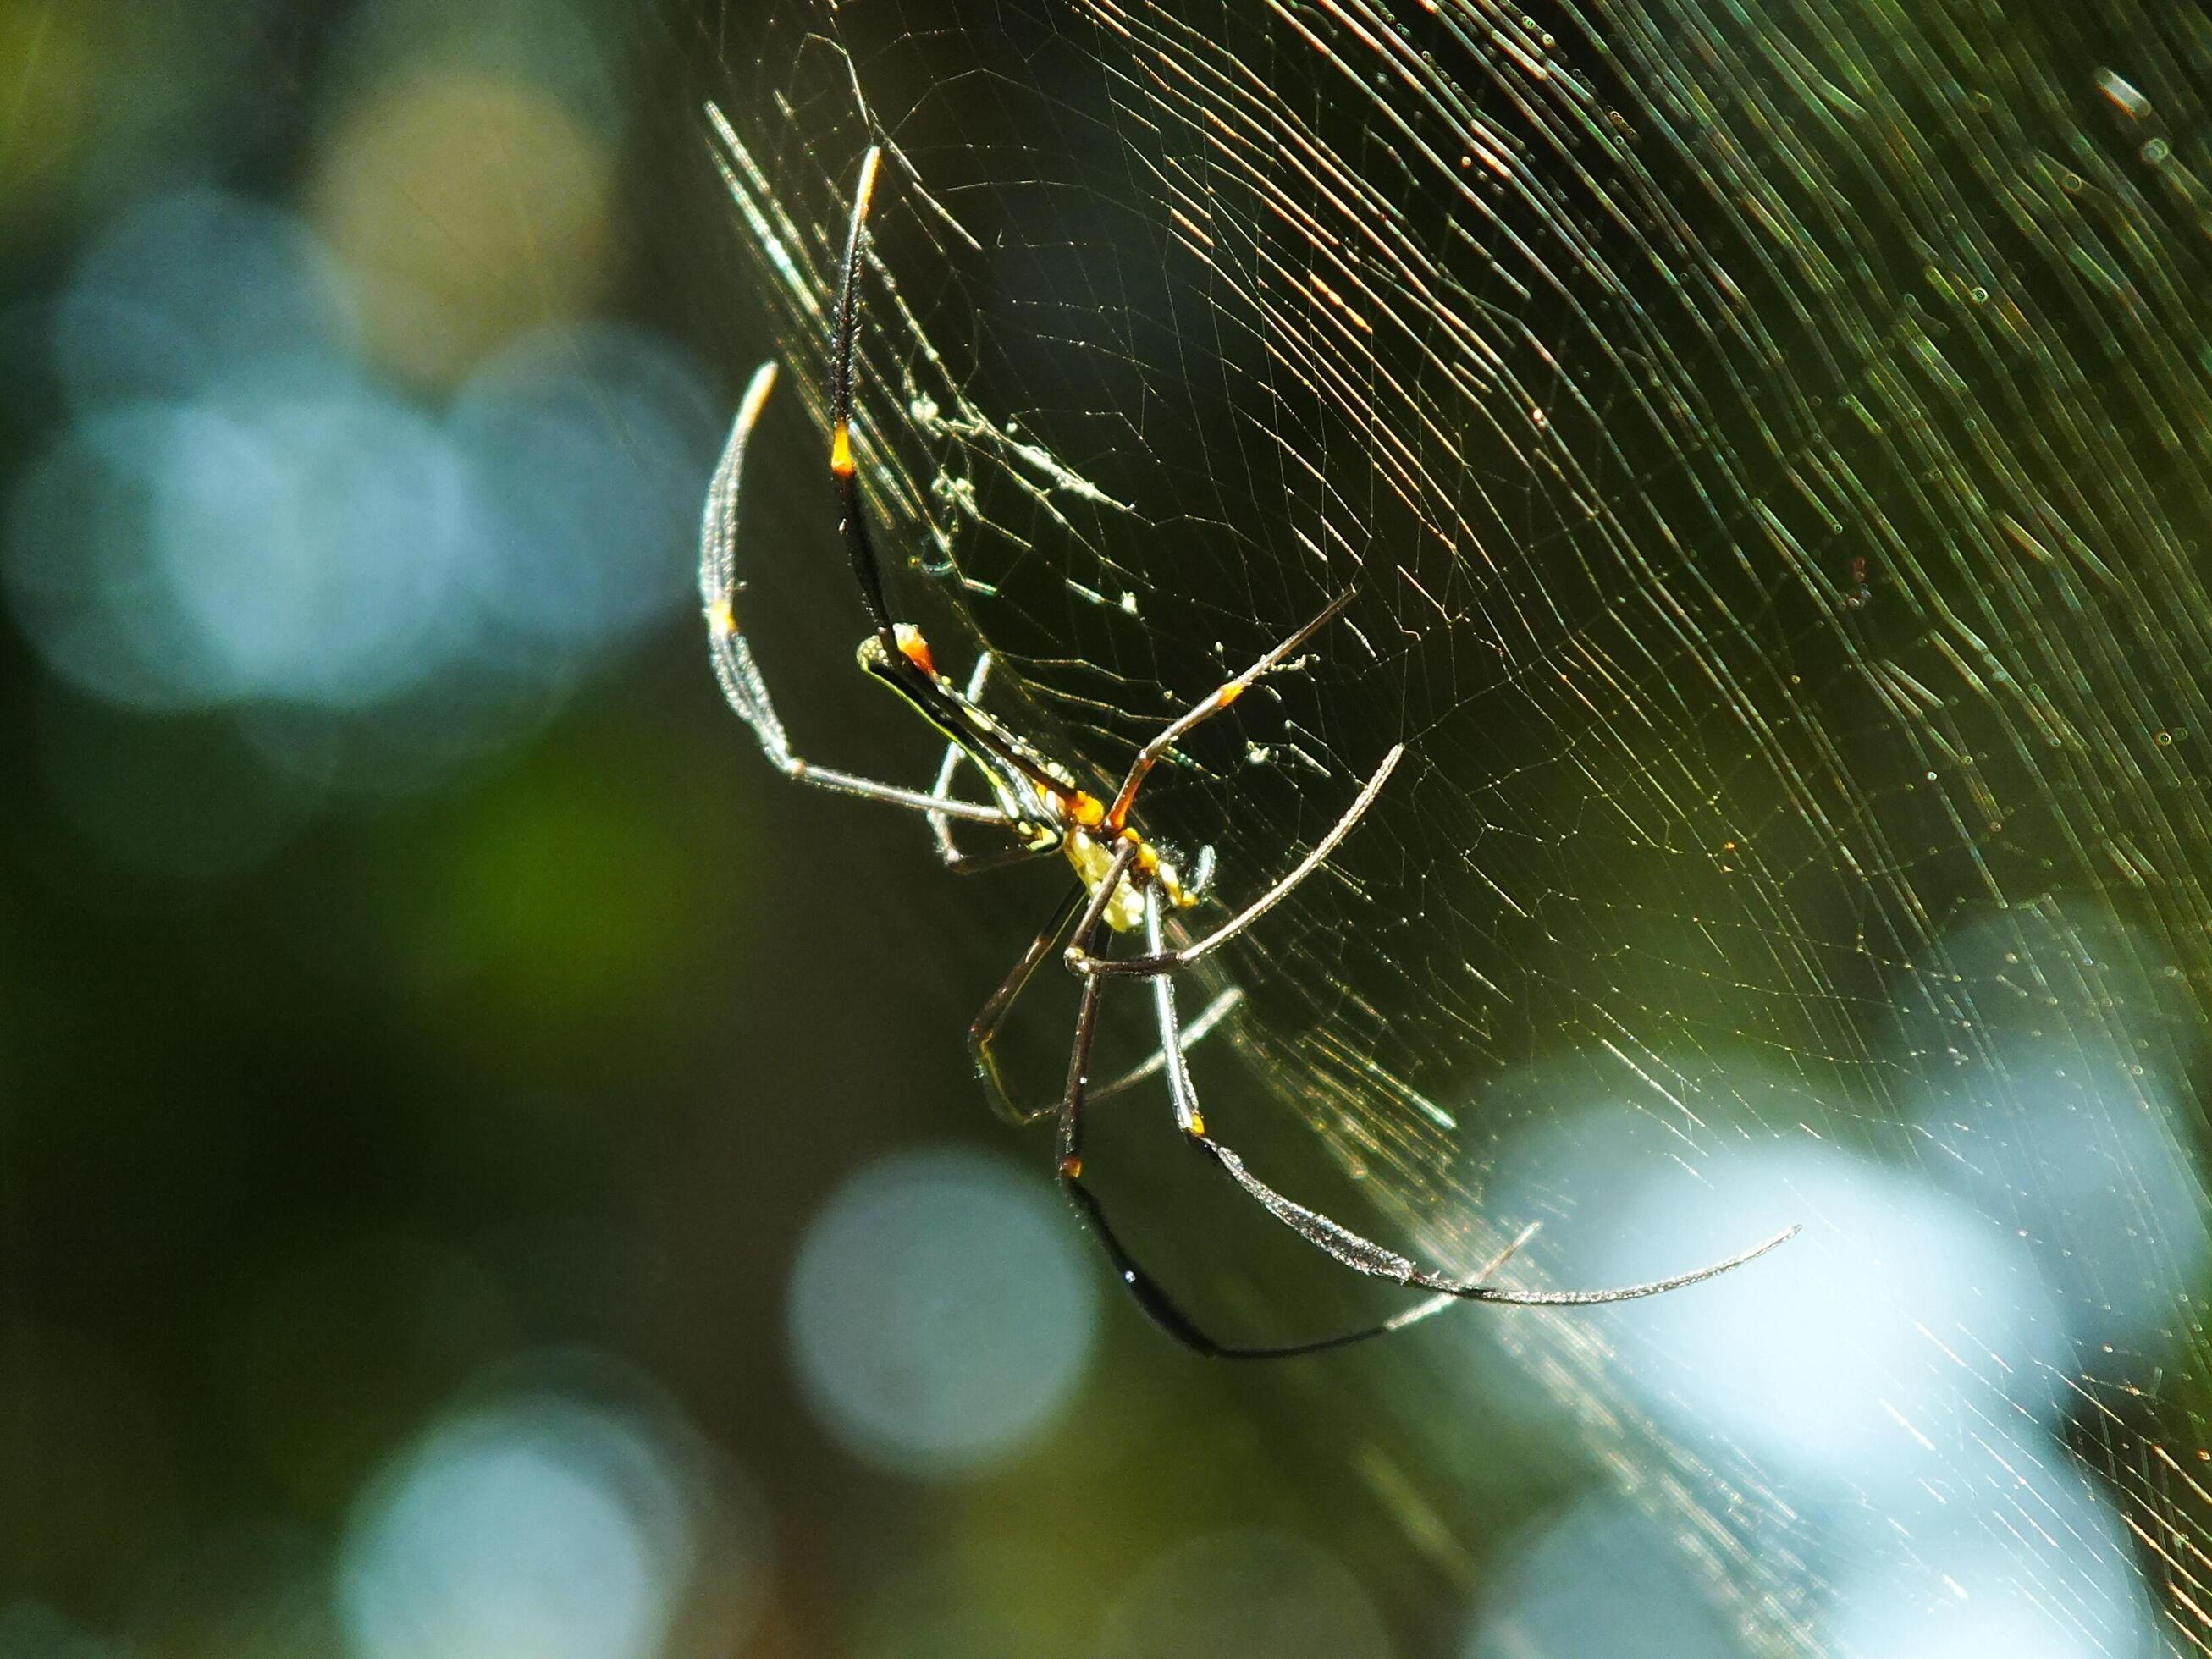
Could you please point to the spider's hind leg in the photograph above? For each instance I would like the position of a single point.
(983, 1032)
(1333, 1237)
(1162, 1308)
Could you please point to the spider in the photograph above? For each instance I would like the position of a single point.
(1125, 883)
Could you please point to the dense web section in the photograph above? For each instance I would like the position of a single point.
(1770, 442)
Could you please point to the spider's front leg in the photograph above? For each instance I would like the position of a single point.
(741, 680)
(1153, 752)
(940, 824)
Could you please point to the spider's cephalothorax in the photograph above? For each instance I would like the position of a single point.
(1042, 804)
(1124, 883)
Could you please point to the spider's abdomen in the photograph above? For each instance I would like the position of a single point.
(1125, 911)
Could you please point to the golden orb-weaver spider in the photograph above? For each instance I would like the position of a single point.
(1125, 883)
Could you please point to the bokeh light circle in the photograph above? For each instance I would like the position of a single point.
(81, 573)
(1863, 1348)
(942, 1311)
(536, 1525)
(185, 287)
(313, 543)
(593, 443)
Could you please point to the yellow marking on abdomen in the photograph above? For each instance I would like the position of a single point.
(1125, 909)
(841, 452)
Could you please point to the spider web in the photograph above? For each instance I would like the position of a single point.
(1771, 445)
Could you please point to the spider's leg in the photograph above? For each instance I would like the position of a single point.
(734, 666)
(1209, 1017)
(939, 825)
(867, 569)
(1200, 883)
(1355, 1251)
(1214, 703)
(1352, 1249)
(948, 850)
(1182, 1093)
(1364, 1255)
(985, 1030)
(1159, 1306)
(1158, 961)
(983, 1033)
